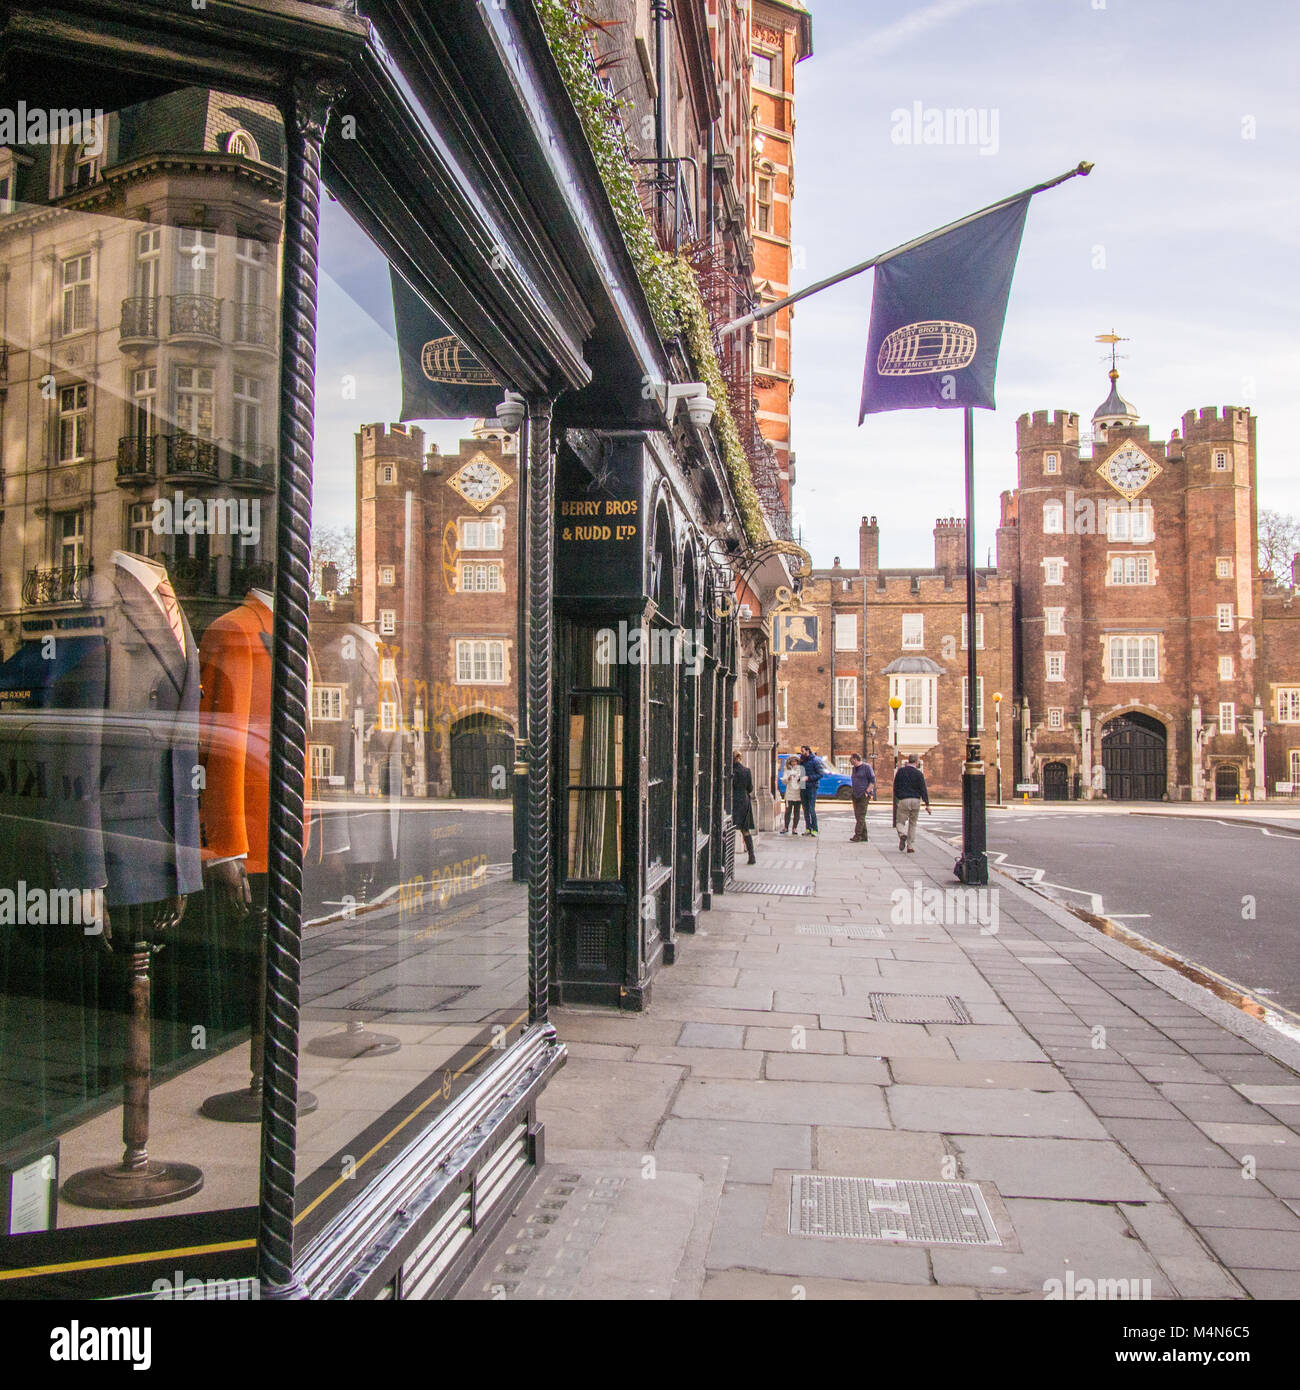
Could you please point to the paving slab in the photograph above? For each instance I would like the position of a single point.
(782, 1102)
(738, 1284)
(595, 1104)
(726, 1035)
(881, 1153)
(1028, 1076)
(806, 1066)
(956, 1110)
(705, 1061)
(1081, 1169)
(754, 1150)
(793, 1040)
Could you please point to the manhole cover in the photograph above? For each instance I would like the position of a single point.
(918, 1008)
(934, 1213)
(786, 890)
(859, 933)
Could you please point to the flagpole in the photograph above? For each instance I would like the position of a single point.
(973, 866)
(1082, 168)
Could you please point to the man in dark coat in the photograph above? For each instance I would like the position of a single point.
(813, 768)
(909, 794)
(742, 803)
(863, 789)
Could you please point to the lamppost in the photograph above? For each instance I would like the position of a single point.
(894, 705)
(997, 728)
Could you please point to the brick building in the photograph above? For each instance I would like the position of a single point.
(1141, 654)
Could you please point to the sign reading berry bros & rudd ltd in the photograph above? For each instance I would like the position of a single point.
(601, 528)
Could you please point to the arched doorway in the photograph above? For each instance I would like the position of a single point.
(1227, 782)
(1056, 782)
(482, 756)
(1133, 752)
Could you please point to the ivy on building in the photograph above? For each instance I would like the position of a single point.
(669, 283)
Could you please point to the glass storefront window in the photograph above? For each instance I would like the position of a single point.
(414, 974)
(134, 672)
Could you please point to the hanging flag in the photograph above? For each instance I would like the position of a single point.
(936, 317)
(441, 379)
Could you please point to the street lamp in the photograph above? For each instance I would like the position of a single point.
(872, 731)
(997, 726)
(894, 705)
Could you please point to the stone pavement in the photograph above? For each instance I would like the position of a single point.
(1118, 1122)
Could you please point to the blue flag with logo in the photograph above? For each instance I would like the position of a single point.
(937, 314)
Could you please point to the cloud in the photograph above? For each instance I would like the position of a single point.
(902, 31)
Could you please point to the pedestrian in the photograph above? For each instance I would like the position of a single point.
(863, 787)
(813, 768)
(742, 803)
(909, 793)
(794, 780)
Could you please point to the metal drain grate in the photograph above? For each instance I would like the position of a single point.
(933, 1213)
(918, 1008)
(803, 862)
(785, 890)
(858, 933)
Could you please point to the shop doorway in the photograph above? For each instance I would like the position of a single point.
(482, 756)
(1133, 752)
(1227, 782)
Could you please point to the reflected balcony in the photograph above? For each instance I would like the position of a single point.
(187, 456)
(135, 460)
(255, 327)
(57, 584)
(253, 468)
(192, 577)
(139, 324)
(257, 574)
(195, 316)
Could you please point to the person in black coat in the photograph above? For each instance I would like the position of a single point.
(742, 803)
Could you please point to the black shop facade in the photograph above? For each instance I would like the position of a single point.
(272, 1024)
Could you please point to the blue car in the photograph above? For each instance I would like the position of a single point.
(833, 784)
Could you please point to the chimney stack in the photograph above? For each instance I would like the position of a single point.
(868, 545)
(950, 545)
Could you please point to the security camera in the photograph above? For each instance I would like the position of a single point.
(510, 413)
(700, 409)
(699, 404)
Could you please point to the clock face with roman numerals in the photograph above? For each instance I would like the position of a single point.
(1128, 470)
(479, 482)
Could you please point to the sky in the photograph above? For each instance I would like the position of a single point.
(1184, 239)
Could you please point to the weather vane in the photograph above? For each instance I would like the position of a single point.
(1112, 338)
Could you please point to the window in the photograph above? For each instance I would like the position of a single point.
(1056, 717)
(387, 575)
(1225, 668)
(846, 632)
(479, 662)
(1227, 717)
(387, 621)
(913, 631)
(71, 532)
(1051, 463)
(1054, 570)
(139, 529)
(144, 408)
(74, 423)
(322, 761)
(193, 390)
(979, 631)
(1288, 705)
(1053, 518)
(1054, 622)
(979, 703)
(594, 758)
(387, 474)
(765, 69)
(247, 431)
(250, 263)
(388, 717)
(242, 143)
(77, 302)
(327, 702)
(148, 248)
(196, 261)
(1131, 569)
(1129, 521)
(763, 203)
(480, 578)
(918, 694)
(387, 670)
(84, 169)
(1294, 768)
(782, 706)
(843, 765)
(1134, 659)
(1224, 614)
(1055, 666)
(1223, 567)
(6, 193)
(763, 345)
(846, 702)
(480, 535)
(1221, 460)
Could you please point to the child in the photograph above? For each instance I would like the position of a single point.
(795, 777)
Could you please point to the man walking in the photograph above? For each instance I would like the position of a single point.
(742, 803)
(909, 793)
(863, 780)
(813, 768)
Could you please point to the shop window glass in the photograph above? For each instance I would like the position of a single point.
(135, 694)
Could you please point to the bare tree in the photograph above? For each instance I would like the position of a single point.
(1279, 543)
(337, 546)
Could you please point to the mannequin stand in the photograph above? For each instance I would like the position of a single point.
(355, 1041)
(245, 1107)
(138, 1181)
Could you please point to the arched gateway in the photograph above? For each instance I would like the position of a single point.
(1133, 752)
